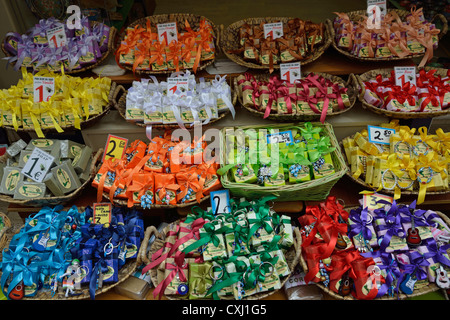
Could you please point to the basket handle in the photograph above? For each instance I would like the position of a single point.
(118, 92)
(96, 159)
(219, 37)
(142, 256)
(360, 87)
(444, 21)
(330, 33)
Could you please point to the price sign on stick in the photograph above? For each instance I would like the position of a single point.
(167, 32)
(280, 137)
(290, 71)
(115, 147)
(220, 201)
(180, 84)
(371, 200)
(274, 30)
(43, 88)
(102, 213)
(404, 75)
(380, 135)
(38, 165)
(56, 37)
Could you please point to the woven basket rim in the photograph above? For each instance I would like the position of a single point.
(401, 13)
(432, 287)
(126, 271)
(142, 21)
(112, 34)
(364, 184)
(37, 202)
(309, 117)
(297, 187)
(294, 249)
(371, 74)
(318, 51)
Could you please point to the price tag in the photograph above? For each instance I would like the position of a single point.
(280, 137)
(274, 30)
(371, 201)
(379, 3)
(38, 165)
(290, 71)
(405, 74)
(167, 32)
(115, 147)
(180, 84)
(380, 135)
(102, 213)
(57, 37)
(43, 88)
(220, 201)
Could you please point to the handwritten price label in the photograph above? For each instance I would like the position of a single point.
(280, 137)
(167, 32)
(179, 85)
(273, 30)
(102, 213)
(38, 165)
(43, 88)
(220, 201)
(371, 201)
(115, 147)
(405, 74)
(380, 135)
(57, 37)
(290, 71)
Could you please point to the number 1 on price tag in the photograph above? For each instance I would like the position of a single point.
(380, 135)
(37, 165)
(273, 30)
(404, 75)
(220, 201)
(43, 88)
(115, 147)
(167, 32)
(290, 71)
(57, 37)
(180, 84)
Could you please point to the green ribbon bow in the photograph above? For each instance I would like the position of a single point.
(308, 131)
(201, 277)
(209, 235)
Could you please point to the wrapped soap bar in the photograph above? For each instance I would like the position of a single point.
(215, 248)
(81, 160)
(260, 228)
(244, 173)
(10, 180)
(199, 280)
(29, 190)
(65, 177)
(15, 148)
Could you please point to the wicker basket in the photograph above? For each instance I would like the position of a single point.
(314, 190)
(229, 41)
(372, 74)
(292, 257)
(180, 19)
(355, 16)
(6, 225)
(127, 270)
(112, 35)
(120, 103)
(92, 120)
(361, 182)
(432, 287)
(350, 85)
(52, 201)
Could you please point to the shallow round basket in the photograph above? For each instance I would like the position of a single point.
(229, 41)
(362, 182)
(120, 103)
(356, 16)
(292, 257)
(432, 287)
(179, 18)
(112, 35)
(6, 225)
(53, 201)
(92, 120)
(126, 271)
(372, 74)
(350, 85)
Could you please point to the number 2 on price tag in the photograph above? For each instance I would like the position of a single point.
(220, 201)
(115, 147)
(380, 135)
